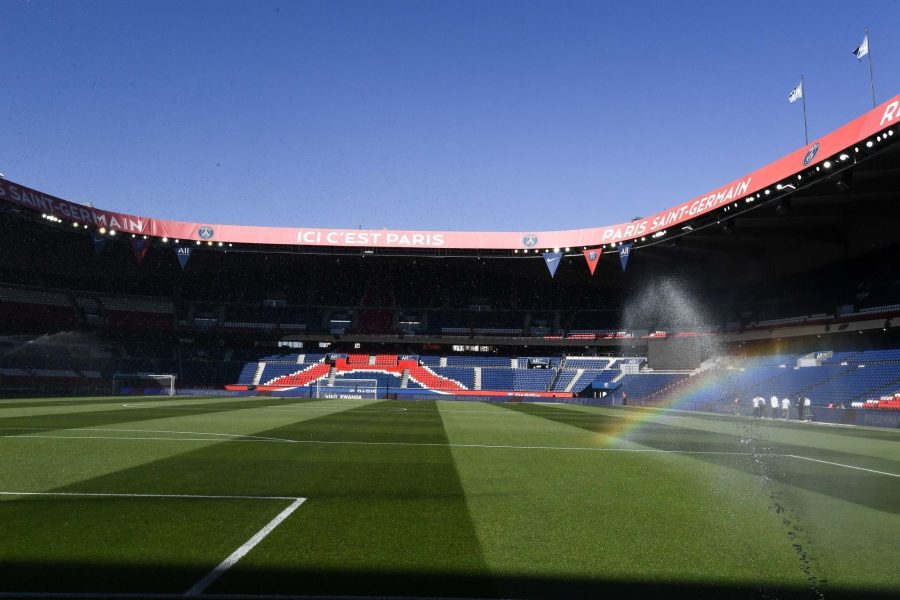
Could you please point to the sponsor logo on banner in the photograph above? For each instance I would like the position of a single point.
(592, 257)
(552, 259)
(624, 254)
(206, 232)
(184, 255)
(140, 247)
(99, 243)
(810, 154)
(530, 240)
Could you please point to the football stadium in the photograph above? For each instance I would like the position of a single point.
(703, 402)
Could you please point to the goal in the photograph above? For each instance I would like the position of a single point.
(348, 389)
(148, 384)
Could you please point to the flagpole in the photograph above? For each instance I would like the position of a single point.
(871, 78)
(803, 97)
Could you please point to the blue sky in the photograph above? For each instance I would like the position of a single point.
(458, 115)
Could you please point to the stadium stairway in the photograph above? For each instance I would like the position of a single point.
(260, 367)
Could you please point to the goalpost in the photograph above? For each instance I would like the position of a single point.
(143, 384)
(347, 389)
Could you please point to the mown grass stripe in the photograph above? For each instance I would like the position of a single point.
(385, 508)
(80, 419)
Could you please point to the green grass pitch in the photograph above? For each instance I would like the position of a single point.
(162, 496)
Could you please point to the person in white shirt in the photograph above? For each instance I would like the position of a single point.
(807, 407)
(785, 408)
(773, 413)
(758, 404)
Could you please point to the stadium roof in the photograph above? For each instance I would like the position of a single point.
(770, 185)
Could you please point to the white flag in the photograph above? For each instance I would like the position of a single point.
(863, 48)
(796, 93)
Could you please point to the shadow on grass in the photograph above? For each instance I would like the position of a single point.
(30, 424)
(88, 580)
(745, 450)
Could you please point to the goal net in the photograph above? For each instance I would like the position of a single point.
(143, 384)
(349, 389)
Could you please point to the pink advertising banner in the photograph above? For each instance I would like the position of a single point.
(824, 148)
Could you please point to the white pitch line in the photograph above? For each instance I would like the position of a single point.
(360, 443)
(141, 438)
(200, 586)
(825, 462)
(431, 445)
(175, 496)
(332, 409)
(229, 435)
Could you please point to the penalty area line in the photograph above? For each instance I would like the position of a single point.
(199, 587)
(826, 462)
(163, 496)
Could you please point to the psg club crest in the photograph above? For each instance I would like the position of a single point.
(592, 256)
(530, 240)
(810, 154)
(206, 232)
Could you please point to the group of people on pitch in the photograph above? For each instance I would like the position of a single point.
(773, 408)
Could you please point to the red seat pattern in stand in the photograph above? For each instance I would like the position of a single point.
(360, 362)
(357, 359)
(386, 360)
(303, 377)
(434, 381)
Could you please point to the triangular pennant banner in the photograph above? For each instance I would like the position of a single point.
(592, 256)
(552, 259)
(99, 243)
(624, 253)
(140, 247)
(184, 254)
